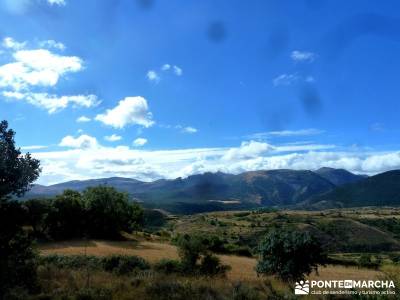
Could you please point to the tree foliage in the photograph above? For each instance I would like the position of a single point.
(109, 212)
(17, 172)
(290, 255)
(66, 217)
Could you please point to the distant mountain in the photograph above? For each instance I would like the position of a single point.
(339, 176)
(379, 190)
(270, 188)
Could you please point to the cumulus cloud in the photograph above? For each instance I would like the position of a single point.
(10, 43)
(83, 119)
(53, 103)
(302, 56)
(140, 142)
(31, 72)
(131, 110)
(153, 76)
(82, 142)
(113, 138)
(178, 71)
(248, 149)
(166, 67)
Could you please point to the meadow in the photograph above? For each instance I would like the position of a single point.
(362, 231)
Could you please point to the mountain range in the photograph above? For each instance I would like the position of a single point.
(323, 188)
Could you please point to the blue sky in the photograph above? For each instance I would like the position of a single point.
(159, 89)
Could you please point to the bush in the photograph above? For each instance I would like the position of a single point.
(243, 292)
(168, 266)
(94, 294)
(72, 261)
(211, 265)
(122, 264)
(172, 290)
(118, 264)
(365, 261)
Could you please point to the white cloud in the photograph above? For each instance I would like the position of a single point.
(153, 76)
(178, 71)
(285, 133)
(113, 138)
(52, 44)
(10, 43)
(290, 79)
(37, 68)
(250, 149)
(140, 142)
(83, 119)
(88, 159)
(33, 147)
(57, 2)
(166, 67)
(31, 72)
(131, 110)
(189, 129)
(302, 56)
(53, 103)
(82, 142)
(285, 79)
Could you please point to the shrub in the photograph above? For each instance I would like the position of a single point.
(211, 265)
(122, 264)
(168, 266)
(94, 294)
(71, 261)
(365, 261)
(172, 290)
(243, 292)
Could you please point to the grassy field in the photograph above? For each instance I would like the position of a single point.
(347, 233)
(242, 268)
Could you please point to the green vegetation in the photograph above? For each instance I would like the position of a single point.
(290, 255)
(100, 212)
(17, 257)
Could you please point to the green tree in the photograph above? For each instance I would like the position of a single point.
(66, 218)
(17, 172)
(36, 215)
(109, 212)
(290, 255)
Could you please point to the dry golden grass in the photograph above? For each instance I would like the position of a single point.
(242, 268)
(150, 251)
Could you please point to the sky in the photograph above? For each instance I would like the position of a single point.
(151, 89)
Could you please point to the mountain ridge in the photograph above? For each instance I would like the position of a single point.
(280, 187)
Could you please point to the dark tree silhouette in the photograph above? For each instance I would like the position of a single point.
(17, 172)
